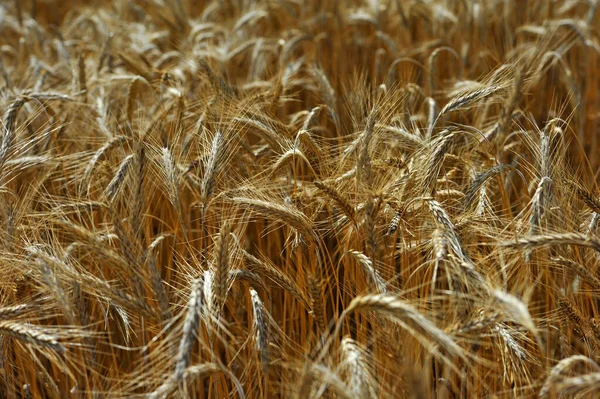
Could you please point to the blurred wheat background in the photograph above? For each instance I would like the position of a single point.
(299, 199)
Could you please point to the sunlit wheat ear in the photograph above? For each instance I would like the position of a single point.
(515, 354)
(589, 383)
(563, 366)
(517, 311)
(574, 316)
(479, 181)
(532, 242)
(545, 156)
(171, 176)
(442, 219)
(279, 212)
(271, 273)
(483, 320)
(190, 328)
(10, 119)
(317, 302)
(57, 291)
(394, 223)
(435, 158)
(221, 271)
(339, 200)
(366, 264)
(117, 181)
(98, 155)
(439, 243)
(30, 335)
(212, 167)
(539, 204)
(402, 312)
(409, 140)
(155, 277)
(359, 379)
(12, 312)
(431, 115)
(287, 158)
(261, 330)
(306, 140)
(585, 196)
(466, 100)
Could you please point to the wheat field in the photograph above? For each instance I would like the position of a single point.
(299, 199)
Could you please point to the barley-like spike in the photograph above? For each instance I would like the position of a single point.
(273, 274)
(212, 167)
(57, 292)
(435, 160)
(554, 239)
(221, 271)
(439, 242)
(479, 181)
(171, 176)
(367, 266)
(316, 302)
(11, 312)
(87, 173)
(261, 330)
(338, 198)
(10, 119)
(515, 309)
(30, 335)
(573, 385)
(587, 197)
(190, 328)
(117, 182)
(282, 213)
(156, 279)
(562, 366)
(400, 310)
(357, 369)
(466, 100)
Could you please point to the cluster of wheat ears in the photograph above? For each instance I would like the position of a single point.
(287, 198)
